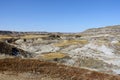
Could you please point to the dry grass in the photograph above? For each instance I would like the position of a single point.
(52, 69)
(25, 76)
(3, 56)
(33, 36)
(92, 63)
(5, 37)
(53, 55)
(117, 44)
(27, 36)
(70, 42)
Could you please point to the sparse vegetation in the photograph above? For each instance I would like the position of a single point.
(33, 36)
(54, 36)
(54, 55)
(92, 63)
(3, 37)
(70, 42)
(52, 69)
(91, 49)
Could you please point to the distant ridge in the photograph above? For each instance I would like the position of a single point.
(22, 33)
(19, 33)
(114, 30)
(6, 32)
(93, 31)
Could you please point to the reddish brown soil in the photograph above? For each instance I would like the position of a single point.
(52, 69)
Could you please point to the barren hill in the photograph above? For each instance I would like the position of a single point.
(114, 30)
(97, 50)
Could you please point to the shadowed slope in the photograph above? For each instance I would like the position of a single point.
(7, 50)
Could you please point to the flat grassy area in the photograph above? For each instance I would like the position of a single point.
(5, 37)
(54, 55)
(33, 36)
(70, 42)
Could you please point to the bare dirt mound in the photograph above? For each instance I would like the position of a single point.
(52, 69)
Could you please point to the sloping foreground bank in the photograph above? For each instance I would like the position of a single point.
(54, 70)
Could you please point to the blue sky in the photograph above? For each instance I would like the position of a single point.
(58, 15)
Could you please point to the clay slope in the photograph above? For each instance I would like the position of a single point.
(51, 69)
(7, 50)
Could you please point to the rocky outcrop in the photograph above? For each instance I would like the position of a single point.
(12, 50)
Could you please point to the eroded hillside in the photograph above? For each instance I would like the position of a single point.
(94, 49)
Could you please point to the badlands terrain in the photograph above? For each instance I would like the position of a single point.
(90, 55)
